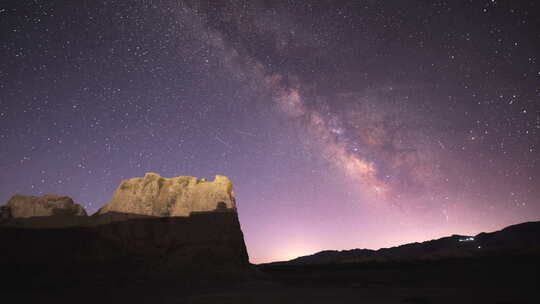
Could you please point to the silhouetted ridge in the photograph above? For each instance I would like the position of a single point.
(519, 239)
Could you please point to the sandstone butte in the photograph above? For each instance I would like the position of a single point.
(26, 206)
(151, 195)
(152, 224)
(154, 195)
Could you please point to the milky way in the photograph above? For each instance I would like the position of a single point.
(343, 124)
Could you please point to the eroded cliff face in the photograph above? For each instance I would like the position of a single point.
(203, 244)
(26, 206)
(154, 195)
(183, 226)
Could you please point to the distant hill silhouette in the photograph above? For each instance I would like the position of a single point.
(520, 239)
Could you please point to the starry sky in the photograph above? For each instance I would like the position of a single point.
(343, 124)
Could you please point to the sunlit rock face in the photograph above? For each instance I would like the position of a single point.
(154, 195)
(26, 206)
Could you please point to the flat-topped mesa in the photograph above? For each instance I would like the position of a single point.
(26, 206)
(154, 195)
(145, 230)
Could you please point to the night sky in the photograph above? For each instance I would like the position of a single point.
(342, 124)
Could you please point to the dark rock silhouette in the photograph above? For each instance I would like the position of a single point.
(202, 243)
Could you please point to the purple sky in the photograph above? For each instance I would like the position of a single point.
(355, 124)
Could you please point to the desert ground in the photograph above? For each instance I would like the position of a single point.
(490, 280)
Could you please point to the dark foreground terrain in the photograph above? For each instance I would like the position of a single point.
(185, 260)
(487, 280)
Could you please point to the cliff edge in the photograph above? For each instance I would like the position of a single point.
(181, 226)
(154, 195)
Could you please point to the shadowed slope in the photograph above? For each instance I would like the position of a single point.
(207, 244)
(520, 239)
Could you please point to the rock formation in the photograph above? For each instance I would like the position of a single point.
(182, 226)
(26, 206)
(154, 195)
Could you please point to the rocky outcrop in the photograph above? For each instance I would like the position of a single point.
(5, 212)
(154, 195)
(26, 206)
(180, 226)
(204, 244)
